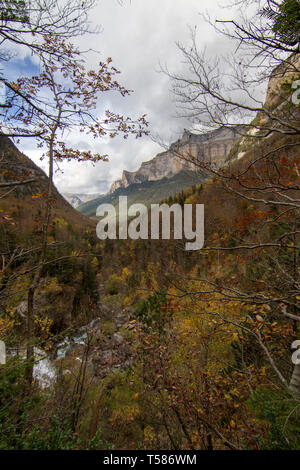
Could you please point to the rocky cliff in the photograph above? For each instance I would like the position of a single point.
(211, 147)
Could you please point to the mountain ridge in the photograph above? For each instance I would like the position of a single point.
(146, 192)
(76, 199)
(213, 147)
(16, 166)
(171, 171)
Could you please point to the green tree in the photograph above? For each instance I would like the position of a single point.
(286, 17)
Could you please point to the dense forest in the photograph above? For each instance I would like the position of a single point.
(141, 344)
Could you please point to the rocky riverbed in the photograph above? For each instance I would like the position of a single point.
(107, 338)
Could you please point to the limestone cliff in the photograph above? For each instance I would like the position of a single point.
(210, 147)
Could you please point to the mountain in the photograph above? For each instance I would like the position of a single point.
(146, 192)
(211, 147)
(77, 199)
(21, 202)
(22, 218)
(169, 172)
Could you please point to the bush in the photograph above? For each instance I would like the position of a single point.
(281, 412)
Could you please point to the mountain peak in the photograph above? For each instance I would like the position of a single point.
(212, 147)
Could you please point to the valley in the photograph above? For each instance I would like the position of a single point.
(169, 172)
(135, 343)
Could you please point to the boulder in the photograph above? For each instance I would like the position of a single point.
(117, 339)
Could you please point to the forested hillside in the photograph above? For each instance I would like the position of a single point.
(148, 192)
(141, 344)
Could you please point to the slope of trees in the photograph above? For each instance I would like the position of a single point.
(193, 349)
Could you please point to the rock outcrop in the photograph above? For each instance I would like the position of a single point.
(285, 72)
(182, 155)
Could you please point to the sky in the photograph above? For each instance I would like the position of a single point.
(139, 35)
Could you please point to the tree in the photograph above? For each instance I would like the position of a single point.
(26, 24)
(286, 20)
(264, 178)
(64, 96)
(72, 105)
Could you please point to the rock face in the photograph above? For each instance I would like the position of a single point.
(285, 72)
(182, 155)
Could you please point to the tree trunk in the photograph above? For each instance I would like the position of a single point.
(29, 334)
(37, 276)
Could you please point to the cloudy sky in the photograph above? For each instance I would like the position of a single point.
(138, 35)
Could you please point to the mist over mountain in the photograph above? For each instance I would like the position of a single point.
(77, 199)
